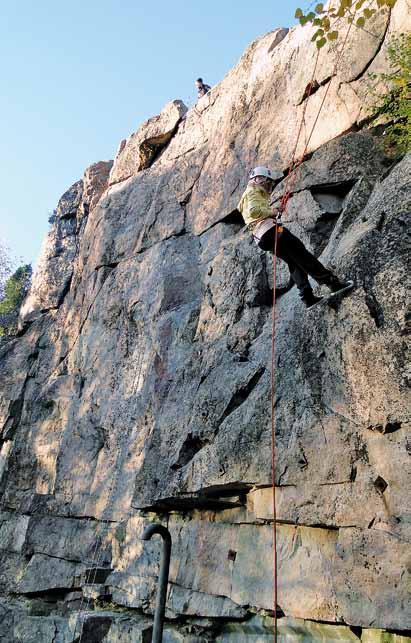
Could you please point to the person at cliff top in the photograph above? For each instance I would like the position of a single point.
(202, 88)
(261, 220)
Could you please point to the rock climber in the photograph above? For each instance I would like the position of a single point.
(202, 88)
(261, 219)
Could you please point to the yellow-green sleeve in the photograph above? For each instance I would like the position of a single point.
(255, 204)
(258, 204)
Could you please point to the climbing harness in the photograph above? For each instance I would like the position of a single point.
(261, 228)
(288, 190)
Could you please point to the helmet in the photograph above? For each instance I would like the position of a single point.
(261, 171)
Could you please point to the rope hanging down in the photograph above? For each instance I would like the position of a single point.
(292, 175)
(273, 329)
(288, 189)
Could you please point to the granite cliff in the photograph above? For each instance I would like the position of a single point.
(138, 387)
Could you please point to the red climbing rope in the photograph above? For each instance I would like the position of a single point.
(283, 206)
(288, 189)
(292, 175)
(274, 315)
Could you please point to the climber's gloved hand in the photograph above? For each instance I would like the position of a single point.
(277, 213)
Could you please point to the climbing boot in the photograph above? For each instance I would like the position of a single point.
(335, 284)
(308, 297)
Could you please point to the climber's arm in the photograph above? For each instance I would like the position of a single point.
(257, 205)
(254, 205)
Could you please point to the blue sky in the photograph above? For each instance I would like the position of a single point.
(78, 76)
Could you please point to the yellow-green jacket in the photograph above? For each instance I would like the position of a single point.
(255, 205)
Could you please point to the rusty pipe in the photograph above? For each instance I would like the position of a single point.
(150, 531)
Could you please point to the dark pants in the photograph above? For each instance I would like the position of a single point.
(300, 261)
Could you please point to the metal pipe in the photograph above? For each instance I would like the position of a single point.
(162, 578)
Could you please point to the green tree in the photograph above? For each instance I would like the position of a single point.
(393, 107)
(6, 267)
(327, 19)
(15, 290)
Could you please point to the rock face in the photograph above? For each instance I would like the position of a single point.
(52, 278)
(140, 150)
(138, 390)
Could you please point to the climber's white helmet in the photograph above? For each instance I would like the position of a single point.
(261, 171)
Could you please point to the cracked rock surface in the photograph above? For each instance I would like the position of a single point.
(138, 389)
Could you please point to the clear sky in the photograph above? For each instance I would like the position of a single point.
(80, 75)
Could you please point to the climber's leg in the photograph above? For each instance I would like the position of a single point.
(300, 279)
(298, 275)
(306, 261)
(303, 258)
